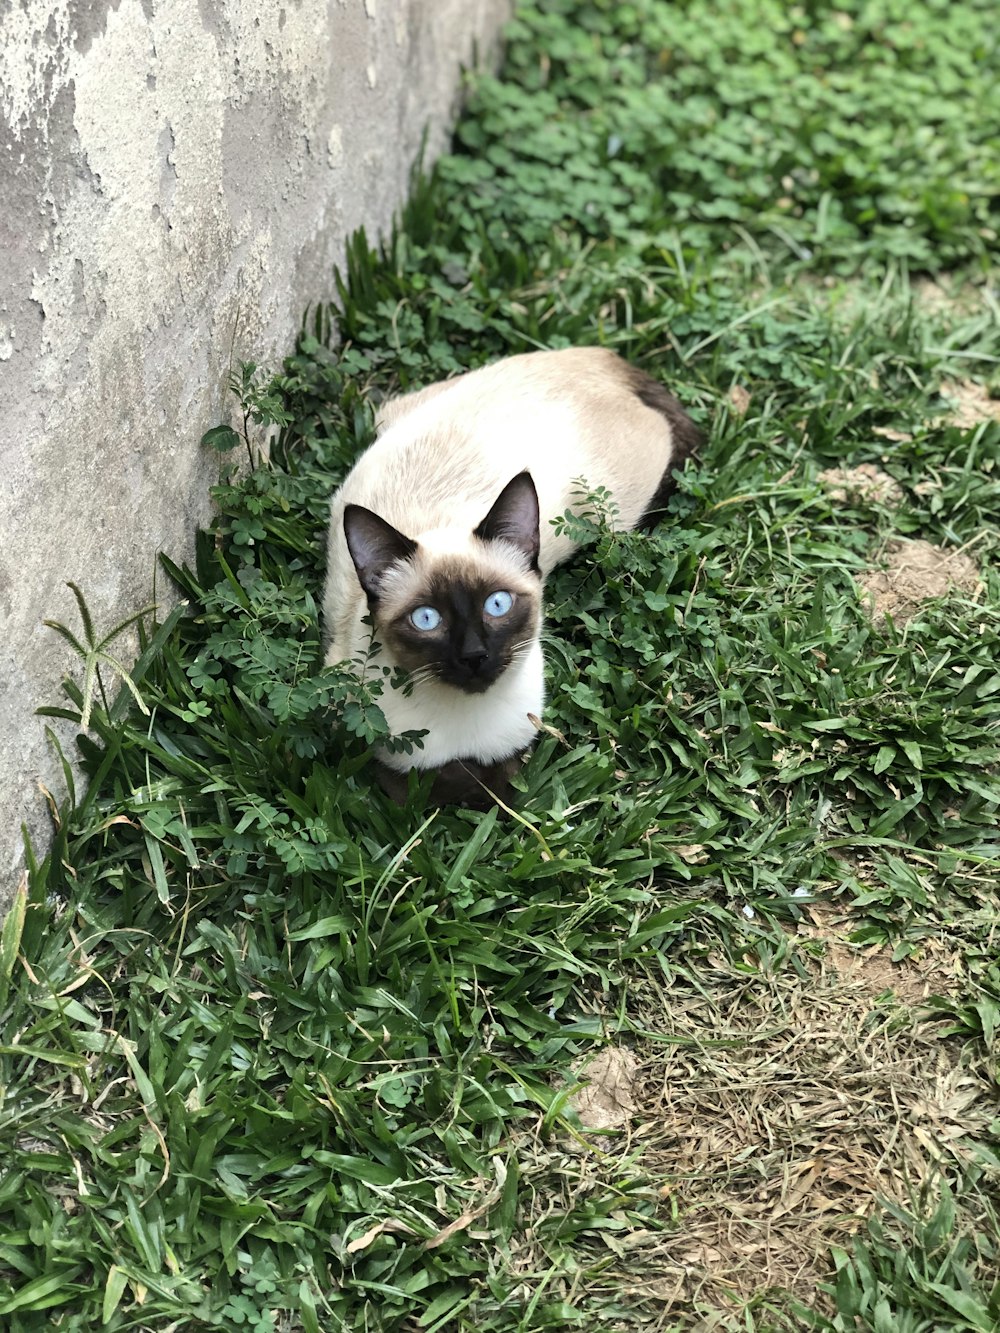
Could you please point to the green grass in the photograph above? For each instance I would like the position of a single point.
(278, 1055)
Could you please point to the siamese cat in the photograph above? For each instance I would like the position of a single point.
(442, 536)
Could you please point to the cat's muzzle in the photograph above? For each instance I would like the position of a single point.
(472, 677)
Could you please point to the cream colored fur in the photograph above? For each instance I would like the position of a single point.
(441, 458)
(484, 727)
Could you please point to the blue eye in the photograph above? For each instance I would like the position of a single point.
(425, 617)
(498, 603)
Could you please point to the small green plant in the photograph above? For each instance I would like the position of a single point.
(261, 404)
(910, 1274)
(253, 1308)
(94, 652)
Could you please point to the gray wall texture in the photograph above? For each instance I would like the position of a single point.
(177, 178)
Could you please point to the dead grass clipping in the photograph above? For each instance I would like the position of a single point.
(771, 1114)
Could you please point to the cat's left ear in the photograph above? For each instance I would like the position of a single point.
(514, 518)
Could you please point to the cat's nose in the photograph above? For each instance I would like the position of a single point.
(473, 654)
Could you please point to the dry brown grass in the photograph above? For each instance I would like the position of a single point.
(769, 1113)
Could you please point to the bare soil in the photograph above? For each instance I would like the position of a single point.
(915, 572)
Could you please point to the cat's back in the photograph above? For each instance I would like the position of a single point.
(575, 419)
(566, 384)
(444, 452)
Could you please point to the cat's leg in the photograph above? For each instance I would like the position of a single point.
(460, 782)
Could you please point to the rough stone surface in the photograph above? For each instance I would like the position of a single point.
(177, 179)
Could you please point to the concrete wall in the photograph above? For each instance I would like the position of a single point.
(176, 177)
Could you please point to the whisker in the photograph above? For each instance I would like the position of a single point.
(422, 674)
(418, 677)
(431, 672)
(520, 650)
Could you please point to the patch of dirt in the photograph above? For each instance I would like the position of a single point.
(972, 404)
(763, 1117)
(772, 1117)
(945, 296)
(608, 1099)
(890, 433)
(865, 483)
(915, 572)
(738, 399)
(911, 980)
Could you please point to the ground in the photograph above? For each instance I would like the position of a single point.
(701, 1032)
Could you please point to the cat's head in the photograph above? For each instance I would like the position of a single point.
(458, 616)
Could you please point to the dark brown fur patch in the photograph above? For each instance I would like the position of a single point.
(459, 782)
(685, 437)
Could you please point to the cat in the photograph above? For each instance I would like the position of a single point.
(442, 535)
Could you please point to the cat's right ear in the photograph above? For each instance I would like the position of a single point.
(374, 545)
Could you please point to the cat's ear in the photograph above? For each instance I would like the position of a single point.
(374, 545)
(514, 518)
